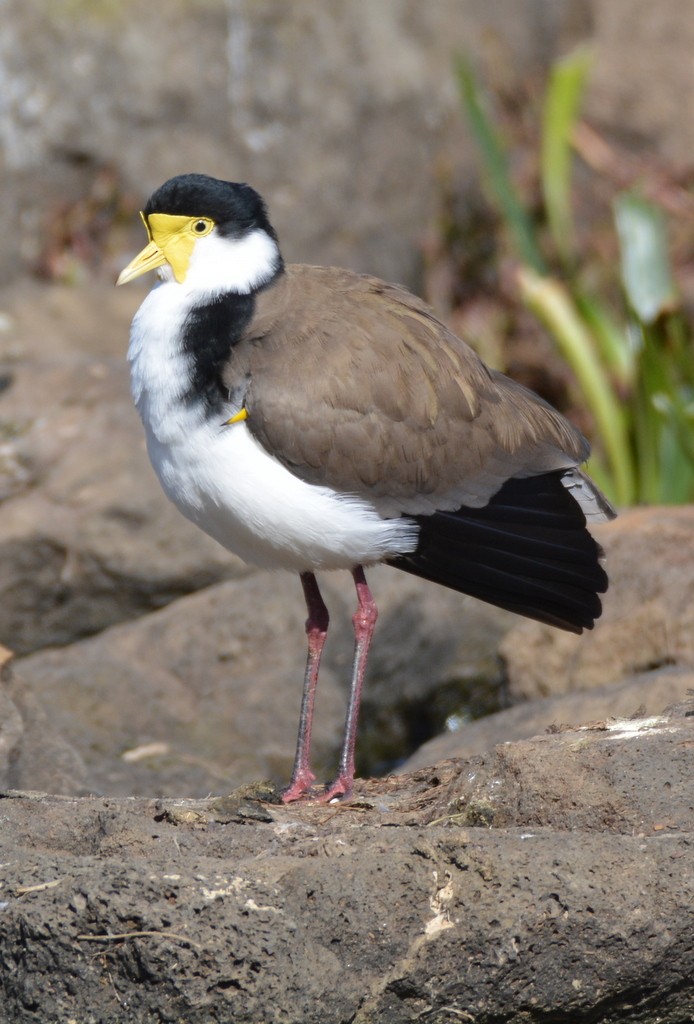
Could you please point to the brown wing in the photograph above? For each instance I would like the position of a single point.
(354, 384)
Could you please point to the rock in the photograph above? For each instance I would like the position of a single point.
(87, 538)
(635, 34)
(204, 694)
(28, 738)
(10, 719)
(554, 874)
(648, 617)
(638, 696)
(92, 86)
(83, 90)
(196, 698)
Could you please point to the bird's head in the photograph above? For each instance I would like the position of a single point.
(208, 235)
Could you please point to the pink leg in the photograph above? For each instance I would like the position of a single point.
(316, 632)
(364, 620)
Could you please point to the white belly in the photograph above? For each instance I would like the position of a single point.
(223, 480)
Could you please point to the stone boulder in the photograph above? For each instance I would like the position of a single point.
(340, 114)
(648, 617)
(625, 699)
(551, 878)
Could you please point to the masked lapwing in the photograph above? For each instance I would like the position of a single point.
(311, 418)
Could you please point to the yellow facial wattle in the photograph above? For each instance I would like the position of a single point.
(172, 238)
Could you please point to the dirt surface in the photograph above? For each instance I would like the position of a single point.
(550, 879)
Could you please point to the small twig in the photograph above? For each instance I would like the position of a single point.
(115, 990)
(454, 819)
(24, 890)
(120, 936)
(431, 1011)
(342, 808)
(626, 170)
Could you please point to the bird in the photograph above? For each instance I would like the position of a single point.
(313, 418)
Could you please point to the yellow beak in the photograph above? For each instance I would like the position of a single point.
(150, 258)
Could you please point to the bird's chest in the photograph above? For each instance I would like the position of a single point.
(203, 465)
(184, 431)
(215, 473)
(179, 346)
(222, 479)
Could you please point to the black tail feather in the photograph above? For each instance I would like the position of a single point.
(528, 551)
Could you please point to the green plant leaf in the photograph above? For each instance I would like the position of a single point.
(496, 170)
(552, 304)
(646, 273)
(615, 344)
(562, 102)
(634, 367)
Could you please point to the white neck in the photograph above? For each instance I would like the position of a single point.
(218, 264)
(160, 370)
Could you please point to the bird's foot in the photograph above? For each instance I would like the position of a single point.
(340, 789)
(299, 788)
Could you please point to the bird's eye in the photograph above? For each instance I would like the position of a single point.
(202, 226)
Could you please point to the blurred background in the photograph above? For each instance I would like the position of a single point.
(440, 145)
(527, 166)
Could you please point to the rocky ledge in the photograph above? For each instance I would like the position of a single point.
(548, 879)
